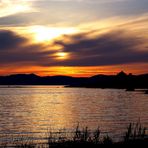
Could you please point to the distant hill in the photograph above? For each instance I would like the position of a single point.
(32, 79)
(121, 80)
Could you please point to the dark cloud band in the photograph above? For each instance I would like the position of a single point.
(111, 48)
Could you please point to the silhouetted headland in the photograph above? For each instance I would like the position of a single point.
(120, 81)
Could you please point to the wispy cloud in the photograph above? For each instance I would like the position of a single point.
(54, 12)
(9, 7)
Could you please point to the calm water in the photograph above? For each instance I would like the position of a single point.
(28, 110)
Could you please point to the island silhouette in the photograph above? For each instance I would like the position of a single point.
(119, 81)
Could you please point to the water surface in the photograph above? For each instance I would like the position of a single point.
(36, 109)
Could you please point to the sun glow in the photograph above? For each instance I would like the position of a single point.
(62, 55)
(44, 34)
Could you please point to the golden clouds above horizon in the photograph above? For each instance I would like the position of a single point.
(75, 71)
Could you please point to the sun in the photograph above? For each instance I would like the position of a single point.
(62, 55)
(44, 34)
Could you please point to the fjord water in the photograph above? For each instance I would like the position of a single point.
(36, 109)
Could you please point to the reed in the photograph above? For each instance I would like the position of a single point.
(135, 131)
(82, 137)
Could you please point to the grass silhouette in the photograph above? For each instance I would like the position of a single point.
(135, 134)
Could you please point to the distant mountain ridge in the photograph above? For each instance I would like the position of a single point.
(121, 80)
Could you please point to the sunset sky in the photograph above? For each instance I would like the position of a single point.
(73, 37)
